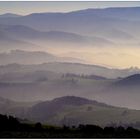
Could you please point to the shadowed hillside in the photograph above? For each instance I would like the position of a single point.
(133, 80)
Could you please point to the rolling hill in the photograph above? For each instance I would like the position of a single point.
(32, 57)
(9, 15)
(65, 67)
(37, 37)
(50, 80)
(15, 108)
(71, 110)
(132, 80)
(8, 42)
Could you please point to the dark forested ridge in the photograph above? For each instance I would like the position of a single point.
(11, 127)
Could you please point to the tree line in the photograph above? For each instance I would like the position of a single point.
(11, 127)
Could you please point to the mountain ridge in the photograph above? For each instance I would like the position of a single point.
(75, 23)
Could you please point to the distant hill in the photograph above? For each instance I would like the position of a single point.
(9, 42)
(133, 80)
(9, 15)
(82, 22)
(32, 57)
(53, 79)
(114, 12)
(33, 35)
(68, 67)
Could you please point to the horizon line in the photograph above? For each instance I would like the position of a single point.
(67, 12)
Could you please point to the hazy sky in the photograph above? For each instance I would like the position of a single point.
(31, 7)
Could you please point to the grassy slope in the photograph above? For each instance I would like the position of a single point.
(97, 115)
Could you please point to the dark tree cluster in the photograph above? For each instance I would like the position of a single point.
(11, 127)
(72, 75)
(8, 123)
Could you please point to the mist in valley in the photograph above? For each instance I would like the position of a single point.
(47, 59)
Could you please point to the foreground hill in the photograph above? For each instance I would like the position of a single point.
(71, 110)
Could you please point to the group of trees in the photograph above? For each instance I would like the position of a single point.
(11, 127)
(72, 75)
(8, 123)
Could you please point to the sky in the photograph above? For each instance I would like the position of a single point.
(27, 7)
